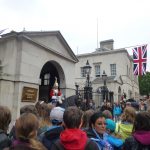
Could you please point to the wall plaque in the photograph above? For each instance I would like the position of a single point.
(29, 94)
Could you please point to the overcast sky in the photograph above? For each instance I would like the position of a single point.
(80, 21)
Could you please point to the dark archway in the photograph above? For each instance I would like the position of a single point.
(48, 73)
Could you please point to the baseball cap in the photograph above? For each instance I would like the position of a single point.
(56, 115)
(110, 124)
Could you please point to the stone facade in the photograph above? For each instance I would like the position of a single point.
(23, 56)
(123, 81)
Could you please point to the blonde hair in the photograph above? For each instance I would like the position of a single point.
(44, 110)
(5, 118)
(26, 129)
(128, 115)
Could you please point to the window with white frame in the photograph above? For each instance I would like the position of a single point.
(83, 72)
(46, 78)
(97, 70)
(113, 69)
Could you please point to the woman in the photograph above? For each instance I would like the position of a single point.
(140, 139)
(5, 119)
(26, 128)
(117, 110)
(97, 130)
(127, 119)
(44, 110)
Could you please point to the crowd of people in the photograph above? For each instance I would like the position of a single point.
(44, 126)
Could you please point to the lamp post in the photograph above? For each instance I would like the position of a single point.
(104, 77)
(87, 88)
(77, 88)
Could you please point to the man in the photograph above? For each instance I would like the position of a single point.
(53, 133)
(73, 137)
(55, 94)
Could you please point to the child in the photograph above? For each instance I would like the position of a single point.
(116, 142)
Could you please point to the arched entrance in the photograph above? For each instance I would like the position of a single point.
(50, 70)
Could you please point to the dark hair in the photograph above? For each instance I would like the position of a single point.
(29, 109)
(142, 122)
(5, 118)
(94, 117)
(107, 114)
(72, 117)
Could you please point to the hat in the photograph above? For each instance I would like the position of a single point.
(56, 115)
(56, 83)
(110, 124)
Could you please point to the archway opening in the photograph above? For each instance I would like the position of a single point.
(48, 73)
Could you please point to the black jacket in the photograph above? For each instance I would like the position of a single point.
(5, 142)
(132, 144)
(51, 136)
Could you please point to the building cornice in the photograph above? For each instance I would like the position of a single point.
(102, 53)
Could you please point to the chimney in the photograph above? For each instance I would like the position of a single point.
(109, 44)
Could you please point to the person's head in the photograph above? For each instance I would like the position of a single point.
(86, 118)
(72, 117)
(55, 86)
(107, 114)
(26, 126)
(56, 115)
(128, 104)
(44, 111)
(29, 109)
(110, 125)
(108, 104)
(142, 122)
(5, 118)
(97, 121)
(128, 114)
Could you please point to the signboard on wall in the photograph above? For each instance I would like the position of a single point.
(29, 94)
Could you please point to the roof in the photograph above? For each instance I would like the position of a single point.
(105, 51)
(28, 36)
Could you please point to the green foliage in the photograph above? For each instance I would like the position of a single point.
(144, 84)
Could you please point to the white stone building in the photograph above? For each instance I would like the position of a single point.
(117, 64)
(29, 63)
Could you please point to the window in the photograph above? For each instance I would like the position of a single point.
(113, 69)
(97, 70)
(83, 72)
(46, 78)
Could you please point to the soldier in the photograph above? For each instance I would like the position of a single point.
(55, 94)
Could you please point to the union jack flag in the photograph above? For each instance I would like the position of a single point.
(139, 60)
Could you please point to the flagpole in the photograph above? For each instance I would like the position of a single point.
(133, 46)
(97, 32)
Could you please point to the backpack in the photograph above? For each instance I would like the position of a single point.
(48, 138)
(5, 142)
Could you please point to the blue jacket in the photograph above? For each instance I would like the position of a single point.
(100, 140)
(117, 110)
(114, 141)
